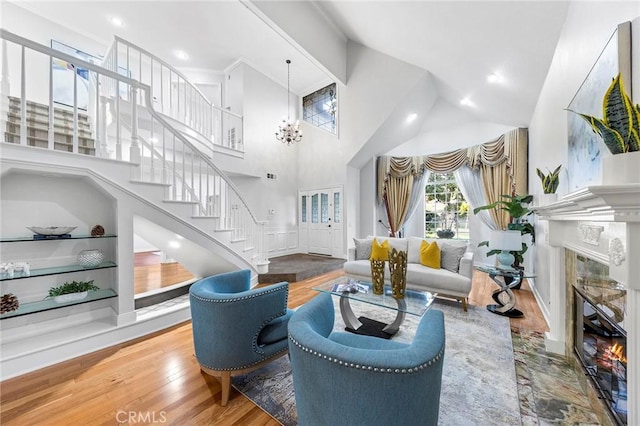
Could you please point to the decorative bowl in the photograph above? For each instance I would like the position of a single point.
(51, 230)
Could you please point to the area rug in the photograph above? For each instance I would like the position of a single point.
(478, 384)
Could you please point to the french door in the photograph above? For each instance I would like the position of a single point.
(320, 220)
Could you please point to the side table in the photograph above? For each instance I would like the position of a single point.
(504, 297)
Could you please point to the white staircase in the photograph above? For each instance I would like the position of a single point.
(124, 123)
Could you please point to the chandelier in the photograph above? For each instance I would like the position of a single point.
(287, 132)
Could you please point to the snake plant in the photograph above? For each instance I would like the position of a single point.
(550, 182)
(620, 126)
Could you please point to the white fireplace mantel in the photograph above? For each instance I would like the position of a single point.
(603, 223)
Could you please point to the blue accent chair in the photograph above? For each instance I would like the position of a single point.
(237, 329)
(348, 379)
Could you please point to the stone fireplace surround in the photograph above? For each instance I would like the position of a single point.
(601, 223)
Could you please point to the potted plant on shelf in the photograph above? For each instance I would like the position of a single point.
(549, 185)
(619, 129)
(71, 291)
(516, 206)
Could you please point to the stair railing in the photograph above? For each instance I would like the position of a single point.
(124, 116)
(175, 96)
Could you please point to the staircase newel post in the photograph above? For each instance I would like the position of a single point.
(134, 149)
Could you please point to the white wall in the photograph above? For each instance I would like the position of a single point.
(26, 24)
(587, 29)
(448, 128)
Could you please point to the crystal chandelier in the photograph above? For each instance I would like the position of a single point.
(287, 132)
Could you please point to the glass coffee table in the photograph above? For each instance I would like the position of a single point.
(415, 302)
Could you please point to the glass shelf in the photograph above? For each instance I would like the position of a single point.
(49, 304)
(55, 270)
(72, 237)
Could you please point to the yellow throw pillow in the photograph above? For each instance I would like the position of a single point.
(430, 255)
(379, 251)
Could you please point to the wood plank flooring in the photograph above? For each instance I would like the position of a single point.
(150, 274)
(157, 379)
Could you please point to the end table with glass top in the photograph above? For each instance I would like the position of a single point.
(504, 297)
(414, 303)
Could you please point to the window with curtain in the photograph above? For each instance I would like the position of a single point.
(446, 210)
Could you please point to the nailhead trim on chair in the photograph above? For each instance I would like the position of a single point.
(251, 296)
(369, 367)
(246, 366)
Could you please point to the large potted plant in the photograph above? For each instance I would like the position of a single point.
(619, 129)
(517, 207)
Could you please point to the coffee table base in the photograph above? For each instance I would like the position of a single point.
(499, 309)
(371, 327)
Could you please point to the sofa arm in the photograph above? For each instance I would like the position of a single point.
(466, 265)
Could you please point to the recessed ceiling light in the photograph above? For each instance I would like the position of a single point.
(411, 117)
(115, 21)
(466, 102)
(181, 54)
(494, 78)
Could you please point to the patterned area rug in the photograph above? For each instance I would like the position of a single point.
(478, 384)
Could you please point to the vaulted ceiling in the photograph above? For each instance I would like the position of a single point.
(460, 43)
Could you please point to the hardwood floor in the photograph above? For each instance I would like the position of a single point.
(150, 274)
(157, 378)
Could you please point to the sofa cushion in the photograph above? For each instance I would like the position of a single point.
(437, 280)
(399, 244)
(380, 250)
(430, 254)
(362, 268)
(451, 253)
(363, 248)
(275, 330)
(413, 249)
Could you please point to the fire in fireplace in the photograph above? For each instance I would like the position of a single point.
(600, 339)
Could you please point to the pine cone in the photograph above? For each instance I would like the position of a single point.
(97, 231)
(9, 303)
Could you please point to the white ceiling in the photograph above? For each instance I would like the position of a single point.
(460, 43)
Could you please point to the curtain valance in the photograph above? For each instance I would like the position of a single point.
(510, 147)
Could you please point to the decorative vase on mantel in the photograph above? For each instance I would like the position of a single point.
(621, 169)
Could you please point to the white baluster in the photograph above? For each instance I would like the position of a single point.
(134, 148)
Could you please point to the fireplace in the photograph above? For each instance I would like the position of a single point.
(600, 340)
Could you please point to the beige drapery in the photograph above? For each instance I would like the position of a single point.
(508, 177)
(503, 165)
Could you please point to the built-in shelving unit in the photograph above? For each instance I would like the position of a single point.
(39, 240)
(55, 271)
(48, 304)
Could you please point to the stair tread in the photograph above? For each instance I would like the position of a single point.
(168, 185)
(180, 202)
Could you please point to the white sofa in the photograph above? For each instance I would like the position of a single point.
(453, 279)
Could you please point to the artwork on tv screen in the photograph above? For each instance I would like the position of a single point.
(63, 73)
(585, 148)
